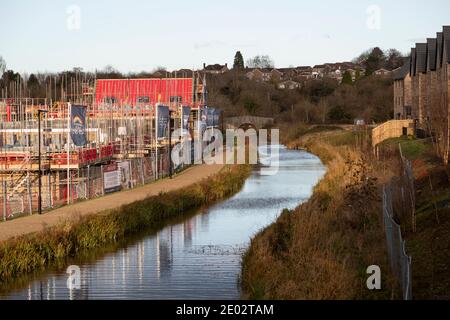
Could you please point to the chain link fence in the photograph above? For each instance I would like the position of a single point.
(19, 192)
(400, 262)
(399, 212)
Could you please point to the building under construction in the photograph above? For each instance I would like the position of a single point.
(124, 142)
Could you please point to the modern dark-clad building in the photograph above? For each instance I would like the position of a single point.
(428, 74)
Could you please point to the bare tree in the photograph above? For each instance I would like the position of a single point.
(260, 61)
(2, 66)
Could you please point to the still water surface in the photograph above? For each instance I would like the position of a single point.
(199, 258)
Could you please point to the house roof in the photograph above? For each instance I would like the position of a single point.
(286, 70)
(413, 61)
(431, 54)
(267, 70)
(421, 57)
(215, 67)
(304, 68)
(184, 70)
(403, 71)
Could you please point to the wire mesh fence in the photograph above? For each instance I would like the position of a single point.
(400, 262)
(19, 192)
(399, 205)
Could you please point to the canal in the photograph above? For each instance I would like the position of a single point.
(198, 258)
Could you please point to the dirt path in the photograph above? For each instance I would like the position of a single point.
(36, 223)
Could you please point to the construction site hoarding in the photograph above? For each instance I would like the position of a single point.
(185, 117)
(111, 178)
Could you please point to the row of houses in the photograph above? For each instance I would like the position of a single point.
(290, 78)
(299, 74)
(421, 88)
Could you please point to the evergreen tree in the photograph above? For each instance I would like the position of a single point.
(238, 61)
(358, 74)
(347, 78)
(374, 61)
(2, 66)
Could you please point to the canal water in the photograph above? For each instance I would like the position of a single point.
(198, 258)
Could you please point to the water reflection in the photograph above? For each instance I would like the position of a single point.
(196, 259)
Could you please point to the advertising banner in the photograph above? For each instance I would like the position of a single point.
(78, 125)
(163, 122)
(185, 117)
(125, 175)
(210, 117)
(111, 178)
(216, 121)
(203, 119)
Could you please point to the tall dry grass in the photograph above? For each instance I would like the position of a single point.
(322, 249)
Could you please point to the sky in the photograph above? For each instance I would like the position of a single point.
(138, 35)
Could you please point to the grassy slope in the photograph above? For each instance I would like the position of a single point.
(321, 250)
(33, 252)
(429, 246)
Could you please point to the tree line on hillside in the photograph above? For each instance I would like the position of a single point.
(365, 96)
(317, 101)
(50, 84)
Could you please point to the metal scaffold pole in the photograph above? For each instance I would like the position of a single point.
(156, 141)
(68, 152)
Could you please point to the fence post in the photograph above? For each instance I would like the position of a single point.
(4, 200)
(50, 198)
(154, 164)
(400, 262)
(103, 180)
(130, 166)
(88, 178)
(142, 171)
(30, 197)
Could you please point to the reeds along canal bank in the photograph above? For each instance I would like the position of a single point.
(32, 252)
(322, 249)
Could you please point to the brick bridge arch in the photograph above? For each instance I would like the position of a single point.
(246, 122)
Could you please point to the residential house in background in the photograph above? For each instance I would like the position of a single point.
(318, 71)
(289, 85)
(184, 73)
(402, 92)
(289, 73)
(264, 74)
(382, 72)
(303, 73)
(215, 68)
(336, 70)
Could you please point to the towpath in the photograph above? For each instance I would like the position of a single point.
(36, 223)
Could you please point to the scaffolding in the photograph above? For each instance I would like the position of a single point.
(120, 129)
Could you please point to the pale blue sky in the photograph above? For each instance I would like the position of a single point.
(135, 35)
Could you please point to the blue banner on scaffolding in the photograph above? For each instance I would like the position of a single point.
(210, 117)
(202, 120)
(163, 122)
(78, 125)
(185, 117)
(216, 121)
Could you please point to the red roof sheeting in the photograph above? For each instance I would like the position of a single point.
(147, 91)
